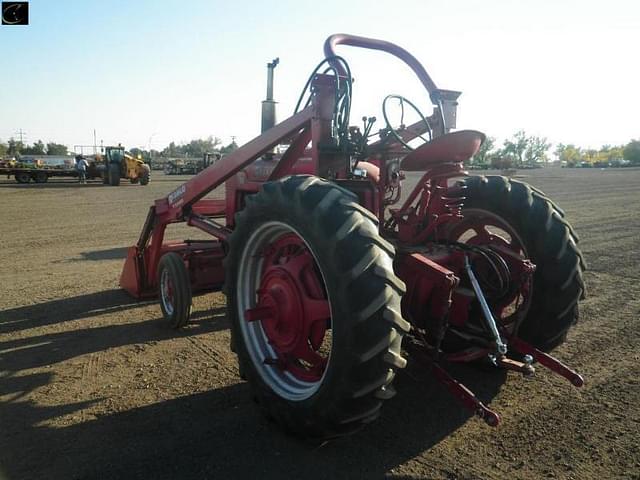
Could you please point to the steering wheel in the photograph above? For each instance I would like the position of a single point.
(393, 131)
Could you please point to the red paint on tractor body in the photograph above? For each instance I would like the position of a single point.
(450, 148)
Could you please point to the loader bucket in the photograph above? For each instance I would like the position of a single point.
(130, 278)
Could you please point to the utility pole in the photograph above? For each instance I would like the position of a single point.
(21, 133)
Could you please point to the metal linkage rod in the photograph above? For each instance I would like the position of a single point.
(491, 323)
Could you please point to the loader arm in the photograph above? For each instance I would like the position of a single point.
(173, 206)
(186, 203)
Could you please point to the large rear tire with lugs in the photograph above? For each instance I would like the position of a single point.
(314, 307)
(549, 242)
(114, 174)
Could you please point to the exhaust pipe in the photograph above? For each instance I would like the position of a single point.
(269, 105)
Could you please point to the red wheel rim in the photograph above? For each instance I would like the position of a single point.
(167, 291)
(286, 310)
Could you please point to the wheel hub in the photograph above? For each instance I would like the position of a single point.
(281, 295)
(481, 228)
(292, 308)
(504, 270)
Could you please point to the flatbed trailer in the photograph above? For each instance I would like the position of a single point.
(42, 175)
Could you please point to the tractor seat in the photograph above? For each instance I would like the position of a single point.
(373, 171)
(449, 148)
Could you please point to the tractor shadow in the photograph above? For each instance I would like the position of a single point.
(221, 434)
(18, 353)
(119, 253)
(65, 309)
(214, 434)
(83, 307)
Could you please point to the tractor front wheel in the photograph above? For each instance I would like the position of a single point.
(314, 307)
(174, 289)
(145, 175)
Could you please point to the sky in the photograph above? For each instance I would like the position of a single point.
(145, 73)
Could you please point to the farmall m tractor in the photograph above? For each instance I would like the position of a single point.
(325, 269)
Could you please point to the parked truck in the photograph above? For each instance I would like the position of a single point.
(190, 166)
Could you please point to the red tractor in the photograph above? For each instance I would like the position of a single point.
(326, 267)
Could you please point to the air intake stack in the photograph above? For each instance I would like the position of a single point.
(269, 105)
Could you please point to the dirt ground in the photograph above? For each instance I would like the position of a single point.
(93, 386)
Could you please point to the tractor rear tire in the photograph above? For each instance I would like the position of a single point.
(174, 290)
(550, 243)
(145, 175)
(114, 174)
(353, 267)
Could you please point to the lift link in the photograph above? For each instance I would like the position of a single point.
(466, 396)
(501, 347)
(548, 361)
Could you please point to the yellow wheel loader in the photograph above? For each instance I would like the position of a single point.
(118, 163)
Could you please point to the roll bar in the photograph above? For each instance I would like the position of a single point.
(445, 100)
(374, 44)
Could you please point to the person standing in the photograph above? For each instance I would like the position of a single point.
(81, 167)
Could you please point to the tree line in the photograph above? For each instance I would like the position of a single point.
(195, 148)
(522, 150)
(16, 147)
